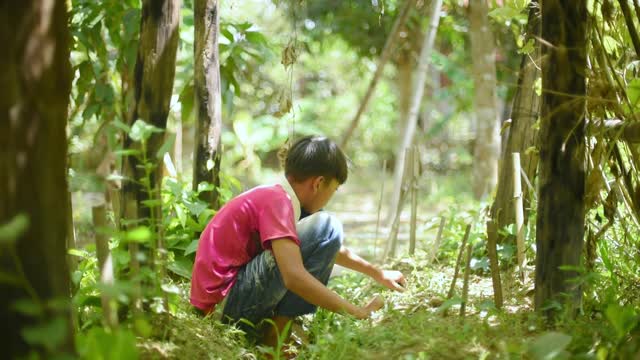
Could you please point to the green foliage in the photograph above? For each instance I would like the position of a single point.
(103, 344)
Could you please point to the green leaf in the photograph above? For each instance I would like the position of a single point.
(610, 44)
(633, 92)
(548, 345)
(623, 319)
(170, 289)
(195, 207)
(143, 327)
(191, 248)
(12, 230)
(141, 131)
(181, 267)
(77, 252)
(166, 146)
(99, 343)
(140, 234)
(182, 215)
(27, 307)
(50, 334)
(10, 279)
(456, 300)
(90, 110)
(186, 99)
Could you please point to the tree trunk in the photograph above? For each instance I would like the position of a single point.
(403, 80)
(521, 135)
(417, 93)
(561, 210)
(153, 86)
(35, 83)
(487, 146)
(208, 103)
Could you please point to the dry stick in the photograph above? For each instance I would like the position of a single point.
(392, 242)
(519, 213)
(436, 246)
(455, 273)
(465, 286)
(105, 264)
(375, 245)
(414, 198)
(384, 58)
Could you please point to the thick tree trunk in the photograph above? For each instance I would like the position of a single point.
(487, 145)
(208, 104)
(35, 82)
(153, 86)
(561, 210)
(521, 134)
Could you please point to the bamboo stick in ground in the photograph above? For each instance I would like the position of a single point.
(519, 213)
(414, 164)
(375, 244)
(465, 286)
(457, 269)
(105, 264)
(495, 270)
(392, 242)
(436, 245)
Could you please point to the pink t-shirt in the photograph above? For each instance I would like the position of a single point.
(242, 229)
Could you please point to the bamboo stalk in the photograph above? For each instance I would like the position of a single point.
(519, 213)
(375, 244)
(495, 269)
(105, 264)
(624, 6)
(457, 269)
(414, 198)
(436, 246)
(465, 286)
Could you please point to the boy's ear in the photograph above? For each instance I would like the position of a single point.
(317, 182)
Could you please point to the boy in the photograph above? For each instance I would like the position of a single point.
(266, 262)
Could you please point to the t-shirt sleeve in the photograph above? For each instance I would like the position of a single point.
(276, 221)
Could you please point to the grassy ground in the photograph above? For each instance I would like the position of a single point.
(420, 323)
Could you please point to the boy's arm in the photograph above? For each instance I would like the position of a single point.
(298, 280)
(394, 280)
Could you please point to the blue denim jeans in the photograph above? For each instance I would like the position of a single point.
(259, 291)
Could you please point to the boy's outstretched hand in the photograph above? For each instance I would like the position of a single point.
(393, 280)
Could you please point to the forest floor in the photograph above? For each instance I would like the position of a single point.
(420, 323)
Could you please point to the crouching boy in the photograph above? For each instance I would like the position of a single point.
(268, 261)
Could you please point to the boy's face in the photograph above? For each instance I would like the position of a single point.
(323, 190)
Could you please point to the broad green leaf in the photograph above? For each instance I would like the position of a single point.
(170, 289)
(12, 230)
(548, 345)
(181, 267)
(182, 215)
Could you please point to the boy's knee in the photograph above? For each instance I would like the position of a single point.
(330, 229)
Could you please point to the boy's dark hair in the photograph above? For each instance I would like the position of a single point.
(315, 156)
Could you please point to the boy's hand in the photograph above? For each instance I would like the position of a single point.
(393, 280)
(374, 304)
